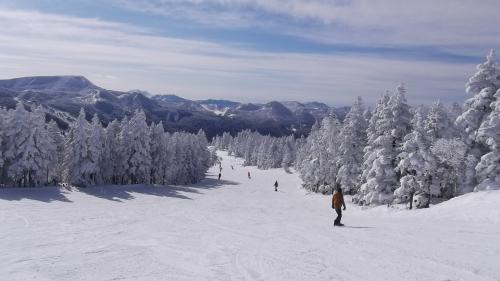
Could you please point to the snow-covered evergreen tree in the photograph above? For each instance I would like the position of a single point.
(45, 145)
(289, 152)
(17, 136)
(488, 169)
(483, 85)
(158, 153)
(78, 161)
(351, 144)
(28, 147)
(319, 156)
(139, 149)
(487, 76)
(401, 115)
(112, 156)
(96, 149)
(451, 165)
(57, 167)
(416, 165)
(388, 125)
(438, 124)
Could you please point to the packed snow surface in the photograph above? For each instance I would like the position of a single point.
(240, 229)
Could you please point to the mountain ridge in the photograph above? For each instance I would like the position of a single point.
(63, 96)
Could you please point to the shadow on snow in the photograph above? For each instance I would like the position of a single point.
(358, 226)
(43, 194)
(118, 193)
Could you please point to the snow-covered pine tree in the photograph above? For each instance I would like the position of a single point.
(125, 141)
(487, 76)
(139, 152)
(416, 165)
(158, 153)
(352, 142)
(331, 128)
(401, 116)
(449, 174)
(438, 124)
(308, 160)
(318, 164)
(172, 167)
(203, 155)
(78, 164)
(28, 147)
(96, 149)
(263, 153)
(388, 125)
(112, 157)
(17, 137)
(483, 85)
(300, 152)
(45, 145)
(200, 155)
(488, 168)
(57, 166)
(289, 152)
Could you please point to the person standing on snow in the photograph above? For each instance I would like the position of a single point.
(276, 186)
(337, 204)
(248, 174)
(220, 175)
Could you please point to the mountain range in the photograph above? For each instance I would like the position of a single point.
(63, 96)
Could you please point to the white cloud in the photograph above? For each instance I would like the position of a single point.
(124, 57)
(366, 22)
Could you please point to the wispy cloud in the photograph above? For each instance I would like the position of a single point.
(123, 56)
(381, 22)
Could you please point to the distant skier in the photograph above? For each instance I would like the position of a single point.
(220, 175)
(337, 204)
(276, 186)
(232, 168)
(249, 175)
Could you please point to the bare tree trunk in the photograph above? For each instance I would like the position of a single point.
(411, 200)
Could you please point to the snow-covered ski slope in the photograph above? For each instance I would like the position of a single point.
(240, 229)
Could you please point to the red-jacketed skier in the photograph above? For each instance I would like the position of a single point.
(337, 204)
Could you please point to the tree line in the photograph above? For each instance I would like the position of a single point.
(395, 153)
(34, 152)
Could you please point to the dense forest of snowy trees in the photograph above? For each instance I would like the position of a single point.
(265, 152)
(34, 152)
(395, 153)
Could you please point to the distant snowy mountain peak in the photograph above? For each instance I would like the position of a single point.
(64, 96)
(215, 109)
(70, 84)
(142, 92)
(248, 107)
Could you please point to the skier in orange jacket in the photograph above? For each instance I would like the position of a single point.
(337, 204)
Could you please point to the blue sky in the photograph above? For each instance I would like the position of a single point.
(254, 50)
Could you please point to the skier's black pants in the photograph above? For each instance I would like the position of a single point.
(339, 215)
